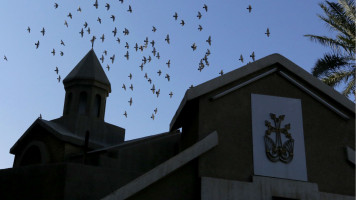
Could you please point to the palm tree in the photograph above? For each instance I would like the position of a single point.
(338, 65)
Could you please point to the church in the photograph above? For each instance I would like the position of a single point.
(266, 131)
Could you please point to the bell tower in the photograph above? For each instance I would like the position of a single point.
(87, 87)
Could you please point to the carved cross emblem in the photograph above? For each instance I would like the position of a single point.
(275, 150)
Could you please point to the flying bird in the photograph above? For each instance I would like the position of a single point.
(81, 32)
(56, 70)
(102, 38)
(37, 44)
(145, 76)
(85, 24)
(123, 86)
(167, 77)
(99, 20)
(205, 8)
(127, 45)
(118, 40)
(207, 52)
(130, 76)
(241, 58)
(130, 9)
(209, 40)
(70, 15)
(88, 30)
(153, 117)
(158, 92)
(136, 47)
(102, 58)
(194, 47)
(43, 31)
(79, 9)
(112, 17)
(199, 15)
(159, 72)
(55, 5)
(108, 67)
(221, 72)
(125, 114)
(112, 58)
(182, 22)
(107, 6)
(126, 31)
(59, 78)
(5, 58)
(61, 53)
(122, 1)
(253, 56)
(267, 32)
(149, 59)
(153, 88)
(149, 80)
(154, 51)
(92, 41)
(53, 52)
(167, 38)
(158, 55)
(249, 8)
(130, 102)
(152, 43)
(127, 55)
(155, 110)
(96, 4)
(171, 94)
(168, 63)
(29, 29)
(175, 16)
(62, 43)
(66, 23)
(154, 29)
(131, 87)
(200, 28)
(105, 52)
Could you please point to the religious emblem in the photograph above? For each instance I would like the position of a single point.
(275, 150)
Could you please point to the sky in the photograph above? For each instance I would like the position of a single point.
(29, 85)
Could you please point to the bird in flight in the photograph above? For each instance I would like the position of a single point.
(153, 89)
(88, 30)
(108, 67)
(267, 32)
(114, 31)
(130, 102)
(200, 28)
(125, 114)
(29, 29)
(123, 86)
(249, 8)
(99, 20)
(96, 4)
(79, 9)
(253, 56)
(127, 45)
(158, 55)
(122, 1)
(70, 15)
(205, 8)
(154, 51)
(81, 32)
(158, 92)
(146, 41)
(118, 40)
(136, 47)
(194, 47)
(209, 40)
(126, 31)
(145, 76)
(182, 22)
(152, 43)
(37, 44)
(153, 117)
(107, 6)
(221, 72)
(130, 9)
(56, 70)
(53, 52)
(149, 80)
(5, 58)
(61, 53)
(102, 59)
(131, 87)
(56, 5)
(43, 31)
(127, 55)
(102, 38)
(92, 41)
(154, 29)
(199, 15)
(105, 52)
(159, 72)
(62, 43)
(59, 78)
(167, 38)
(112, 58)
(167, 77)
(112, 17)
(207, 52)
(130, 76)
(171, 94)
(168, 63)
(155, 110)
(241, 58)
(66, 23)
(175, 16)
(85, 25)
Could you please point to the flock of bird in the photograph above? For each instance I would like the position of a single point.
(153, 52)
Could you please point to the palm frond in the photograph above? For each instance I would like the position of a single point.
(330, 63)
(350, 88)
(336, 78)
(326, 41)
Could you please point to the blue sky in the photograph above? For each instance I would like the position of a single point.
(28, 82)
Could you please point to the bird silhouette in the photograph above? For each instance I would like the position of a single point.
(209, 40)
(61, 53)
(241, 58)
(167, 77)
(112, 58)
(62, 43)
(99, 20)
(127, 55)
(182, 22)
(200, 28)
(153, 117)
(167, 38)
(85, 24)
(92, 41)
(125, 114)
(81, 32)
(199, 15)
(53, 52)
(108, 67)
(249, 8)
(5, 58)
(158, 92)
(130, 101)
(66, 23)
(221, 72)
(37, 44)
(205, 8)
(130, 9)
(124, 87)
(96, 5)
(130, 76)
(70, 15)
(29, 29)
(107, 6)
(131, 87)
(155, 110)
(79, 9)
(112, 17)
(171, 94)
(102, 38)
(102, 58)
(175, 16)
(43, 31)
(194, 47)
(159, 72)
(267, 32)
(168, 63)
(59, 78)
(56, 70)
(154, 29)
(55, 5)
(253, 56)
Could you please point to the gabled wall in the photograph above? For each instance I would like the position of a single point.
(326, 134)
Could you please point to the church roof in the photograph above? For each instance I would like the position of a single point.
(89, 68)
(253, 68)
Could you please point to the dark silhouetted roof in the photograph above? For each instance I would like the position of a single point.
(88, 68)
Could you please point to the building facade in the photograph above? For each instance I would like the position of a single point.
(268, 130)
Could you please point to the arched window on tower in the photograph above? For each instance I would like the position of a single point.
(97, 105)
(68, 103)
(82, 103)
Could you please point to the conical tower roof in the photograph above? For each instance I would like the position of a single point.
(89, 68)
